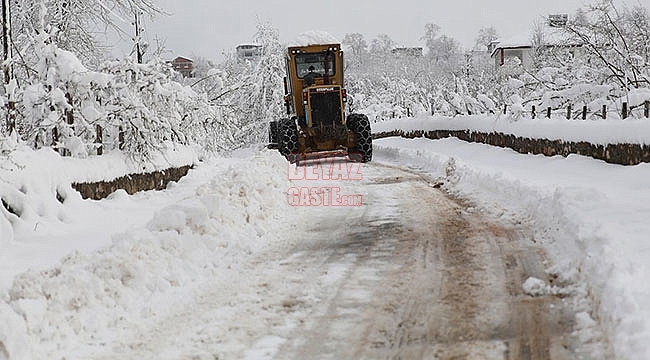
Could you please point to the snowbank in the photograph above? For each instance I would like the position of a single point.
(608, 131)
(36, 185)
(226, 207)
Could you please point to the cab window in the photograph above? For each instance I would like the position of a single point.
(317, 60)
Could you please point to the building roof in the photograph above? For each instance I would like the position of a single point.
(183, 58)
(248, 46)
(552, 35)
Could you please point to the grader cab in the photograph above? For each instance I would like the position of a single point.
(315, 100)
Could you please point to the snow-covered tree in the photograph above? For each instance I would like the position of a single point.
(73, 25)
(431, 33)
(443, 50)
(202, 67)
(617, 40)
(357, 45)
(147, 107)
(485, 37)
(252, 94)
(61, 84)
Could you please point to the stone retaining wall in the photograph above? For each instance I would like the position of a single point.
(623, 154)
(132, 183)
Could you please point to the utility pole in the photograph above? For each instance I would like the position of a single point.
(6, 38)
(138, 31)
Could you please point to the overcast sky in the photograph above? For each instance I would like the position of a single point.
(207, 28)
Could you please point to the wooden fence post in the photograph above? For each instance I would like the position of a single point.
(505, 109)
(120, 138)
(69, 119)
(624, 110)
(548, 112)
(604, 111)
(646, 109)
(55, 138)
(99, 139)
(584, 112)
(568, 112)
(69, 116)
(11, 116)
(533, 112)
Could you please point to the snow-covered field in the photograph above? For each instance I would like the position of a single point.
(72, 272)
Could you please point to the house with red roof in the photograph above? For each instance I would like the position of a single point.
(183, 65)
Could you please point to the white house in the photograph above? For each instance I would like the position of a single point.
(553, 34)
(415, 51)
(250, 52)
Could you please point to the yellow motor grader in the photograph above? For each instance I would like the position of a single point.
(315, 100)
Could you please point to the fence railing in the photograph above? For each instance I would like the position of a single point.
(569, 112)
(98, 142)
(583, 113)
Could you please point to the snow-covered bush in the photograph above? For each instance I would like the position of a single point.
(145, 106)
(386, 85)
(59, 100)
(139, 107)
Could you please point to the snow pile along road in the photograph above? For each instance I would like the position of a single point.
(35, 184)
(232, 203)
(602, 131)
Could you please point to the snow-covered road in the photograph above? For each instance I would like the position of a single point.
(410, 274)
(371, 261)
